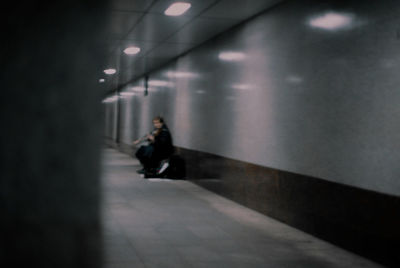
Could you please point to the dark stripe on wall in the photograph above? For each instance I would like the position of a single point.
(362, 221)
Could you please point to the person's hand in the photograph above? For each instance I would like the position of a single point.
(136, 142)
(150, 138)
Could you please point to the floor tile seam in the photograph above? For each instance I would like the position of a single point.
(159, 253)
(129, 242)
(146, 258)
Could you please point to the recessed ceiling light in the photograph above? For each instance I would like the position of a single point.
(102, 80)
(332, 21)
(177, 9)
(110, 71)
(131, 50)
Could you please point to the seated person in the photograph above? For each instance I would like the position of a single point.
(160, 146)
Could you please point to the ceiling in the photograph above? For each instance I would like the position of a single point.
(161, 38)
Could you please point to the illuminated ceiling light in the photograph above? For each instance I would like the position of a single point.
(332, 21)
(110, 71)
(102, 80)
(132, 50)
(231, 56)
(177, 9)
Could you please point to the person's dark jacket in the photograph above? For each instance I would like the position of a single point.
(163, 146)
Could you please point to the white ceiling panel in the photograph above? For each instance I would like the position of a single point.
(168, 50)
(129, 63)
(129, 66)
(238, 9)
(201, 29)
(121, 22)
(131, 5)
(162, 38)
(153, 63)
(154, 27)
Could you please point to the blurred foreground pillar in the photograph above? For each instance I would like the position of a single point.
(51, 134)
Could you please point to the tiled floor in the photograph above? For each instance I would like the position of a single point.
(166, 223)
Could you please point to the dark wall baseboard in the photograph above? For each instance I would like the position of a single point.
(362, 221)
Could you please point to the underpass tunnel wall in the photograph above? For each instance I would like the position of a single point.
(292, 118)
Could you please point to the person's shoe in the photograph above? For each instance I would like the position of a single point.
(141, 171)
(164, 166)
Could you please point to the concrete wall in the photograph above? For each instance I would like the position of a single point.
(298, 98)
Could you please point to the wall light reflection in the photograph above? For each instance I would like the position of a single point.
(127, 94)
(242, 86)
(160, 83)
(110, 99)
(181, 74)
(231, 56)
(294, 79)
(332, 20)
(388, 63)
(137, 89)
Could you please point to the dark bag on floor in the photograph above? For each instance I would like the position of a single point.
(170, 168)
(177, 168)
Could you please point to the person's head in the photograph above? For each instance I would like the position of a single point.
(158, 122)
